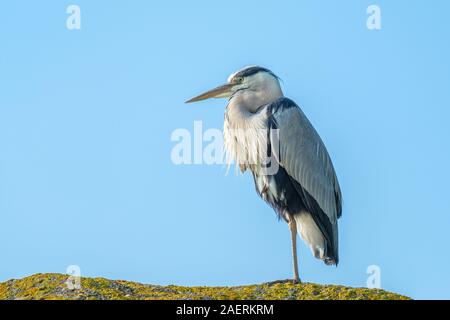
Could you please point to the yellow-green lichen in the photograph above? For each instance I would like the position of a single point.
(53, 286)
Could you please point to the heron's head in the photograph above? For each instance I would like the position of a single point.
(254, 85)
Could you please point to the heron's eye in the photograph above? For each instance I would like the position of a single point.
(239, 79)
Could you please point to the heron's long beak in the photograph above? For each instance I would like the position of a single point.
(224, 91)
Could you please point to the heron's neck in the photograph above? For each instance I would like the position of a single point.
(245, 135)
(251, 100)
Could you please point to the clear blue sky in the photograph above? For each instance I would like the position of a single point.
(86, 117)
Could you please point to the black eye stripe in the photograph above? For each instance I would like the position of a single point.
(251, 71)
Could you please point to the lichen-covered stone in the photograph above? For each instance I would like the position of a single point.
(53, 286)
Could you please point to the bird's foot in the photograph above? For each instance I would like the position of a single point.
(293, 281)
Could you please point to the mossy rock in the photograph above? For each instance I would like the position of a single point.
(53, 287)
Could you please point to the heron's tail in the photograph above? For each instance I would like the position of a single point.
(314, 238)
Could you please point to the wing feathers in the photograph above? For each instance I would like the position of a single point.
(304, 157)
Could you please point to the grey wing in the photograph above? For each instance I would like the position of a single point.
(303, 155)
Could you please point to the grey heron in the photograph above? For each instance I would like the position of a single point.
(304, 189)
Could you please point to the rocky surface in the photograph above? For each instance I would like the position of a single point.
(54, 286)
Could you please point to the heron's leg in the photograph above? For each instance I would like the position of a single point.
(293, 227)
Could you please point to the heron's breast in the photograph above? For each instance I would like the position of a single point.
(245, 139)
